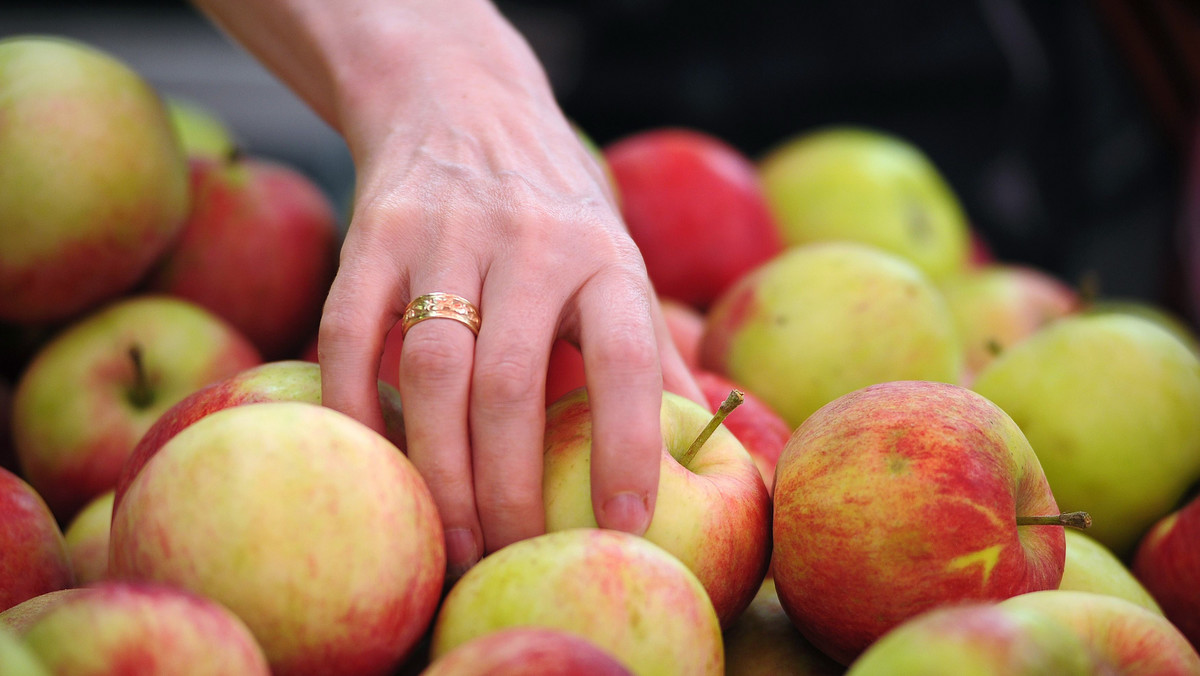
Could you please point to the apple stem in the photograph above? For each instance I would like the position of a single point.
(1079, 520)
(731, 402)
(139, 395)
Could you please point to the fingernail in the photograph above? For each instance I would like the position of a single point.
(628, 512)
(461, 552)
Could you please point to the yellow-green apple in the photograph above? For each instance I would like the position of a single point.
(123, 628)
(1110, 404)
(686, 325)
(21, 617)
(311, 527)
(259, 248)
(825, 319)
(90, 394)
(87, 539)
(95, 181)
(33, 555)
(520, 651)
(8, 455)
(1167, 562)
(712, 510)
(288, 380)
(695, 208)
(901, 497)
(764, 642)
(1132, 640)
(980, 639)
(201, 131)
(996, 306)
(17, 659)
(620, 591)
(866, 185)
(1168, 319)
(761, 430)
(1092, 567)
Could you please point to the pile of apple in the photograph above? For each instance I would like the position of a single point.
(922, 460)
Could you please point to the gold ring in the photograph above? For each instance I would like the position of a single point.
(443, 306)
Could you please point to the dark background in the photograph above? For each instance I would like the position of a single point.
(1038, 113)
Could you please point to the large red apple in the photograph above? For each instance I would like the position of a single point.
(259, 249)
(1167, 562)
(695, 208)
(900, 497)
(95, 182)
(90, 394)
(33, 555)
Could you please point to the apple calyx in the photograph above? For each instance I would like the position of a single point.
(735, 399)
(1077, 520)
(140, 394)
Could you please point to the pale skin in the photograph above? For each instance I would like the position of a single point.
(471, 181)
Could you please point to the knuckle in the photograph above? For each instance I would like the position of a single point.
(510, 379)
(430, 363)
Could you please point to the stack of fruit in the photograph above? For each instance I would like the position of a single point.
(923, 431)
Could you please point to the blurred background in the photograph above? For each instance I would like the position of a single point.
(1065, 127)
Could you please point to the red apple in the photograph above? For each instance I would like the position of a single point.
(900, 497)
(520, 651)
(686, 326)
(95, 180)
(259, 249)
(33, 556)
(1167, 562)
(761, 430)
(91, 393)
(695, 208)
(564, 371)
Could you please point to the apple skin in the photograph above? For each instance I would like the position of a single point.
(87, 539)
(1135, 641)
(686, 326)
(96, 183)
(1110, 404)
(139, 628)
(695, 208)
(201, 132)
(901, 497)
(287, 380)
(761, 430)
(714, 514)
(825, 319)
(77, 413)
(564, 371)
(1092, 567)
(866, 185)
(33, 555)
(996, 306)
(302, 521)
(8, 454)
(520, 651)
(19, 618)
(980, 639)
(1167, 562)
(764, 642)
(17, 659)
(622, 592)
(259, 248)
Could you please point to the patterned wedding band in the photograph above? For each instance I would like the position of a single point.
(440, 306)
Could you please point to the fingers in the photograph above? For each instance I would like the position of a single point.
(677, 377)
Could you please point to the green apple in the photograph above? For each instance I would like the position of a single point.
(1165, 318)
(825, 319)
(764, 642)
(866, 185)
(95, 183)
(620, 591)
(21, 617)
(901, 497)
(1109, 402)
(17, 659)
(1133, 640)
(1092, 567)
(90, 394)
(712, 510)
(201, 131)
(311, 527)
(87, 539)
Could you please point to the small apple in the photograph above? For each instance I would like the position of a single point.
(259, 249)
(520, 651)
(1167, 562)
(86, 537)
(311, 527)
(761, 430)
(764, 642)
(623, 593)
(120, 628)
(712, 511)
(564, 370)
(201, 131)
(1133, 640)
(695, 208)
(33, 556)
(1092, 567)
(95, 181)
(90, 394)
(866, 185)
(901, 497)
(825, 319)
